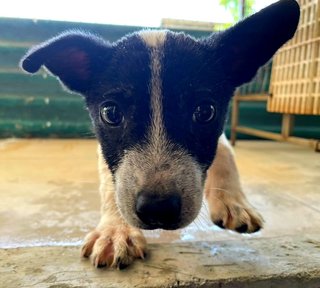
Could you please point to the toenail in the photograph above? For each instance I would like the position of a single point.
(256, 229)
(242, 229)
(219, 223)
(101, 265)
(143, 255)
(122, 266)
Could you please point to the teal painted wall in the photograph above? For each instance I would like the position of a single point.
(37, 106)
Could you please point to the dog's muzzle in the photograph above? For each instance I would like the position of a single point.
(159, 211)
(158, 189)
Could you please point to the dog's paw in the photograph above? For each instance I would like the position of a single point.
(235, 214)
(114, 246)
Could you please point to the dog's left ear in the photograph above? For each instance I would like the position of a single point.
(243, 48)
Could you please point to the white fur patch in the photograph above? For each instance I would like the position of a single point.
(153, 38)
(225, 142)
(155, 42)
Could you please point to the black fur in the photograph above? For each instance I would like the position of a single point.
(75, 57)
(125, 82)
(252, 42)
(191, 77)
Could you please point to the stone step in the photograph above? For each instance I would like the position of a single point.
(292, 261)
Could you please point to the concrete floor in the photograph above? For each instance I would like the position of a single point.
(49, 201)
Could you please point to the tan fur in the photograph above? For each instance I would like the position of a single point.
(223, 191)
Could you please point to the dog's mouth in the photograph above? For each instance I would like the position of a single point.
(154, 226)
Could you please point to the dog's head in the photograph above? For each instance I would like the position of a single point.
(158, 101)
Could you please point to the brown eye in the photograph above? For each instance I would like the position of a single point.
(204, 113)
(111, 114)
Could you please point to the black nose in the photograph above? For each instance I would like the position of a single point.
(157, 211)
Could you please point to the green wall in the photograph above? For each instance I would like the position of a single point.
(36, 106)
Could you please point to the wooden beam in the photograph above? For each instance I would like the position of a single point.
(287, 125)
(259, 133)
(234, 121)
(252, 97)
(312, 143)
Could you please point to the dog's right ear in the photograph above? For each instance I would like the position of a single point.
(74, 57)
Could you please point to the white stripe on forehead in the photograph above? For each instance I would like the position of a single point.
(155, 40)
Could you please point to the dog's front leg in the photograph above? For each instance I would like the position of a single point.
(228, 205)
(113, 243)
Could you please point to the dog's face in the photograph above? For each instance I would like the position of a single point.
(158, 124)
(158, 101)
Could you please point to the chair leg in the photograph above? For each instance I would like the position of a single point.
(287, 125)
(234, 120)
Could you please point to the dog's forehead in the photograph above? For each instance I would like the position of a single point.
(159, 38)
(146, 41)
(181, 58)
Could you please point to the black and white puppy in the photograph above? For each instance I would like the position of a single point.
(158, 102)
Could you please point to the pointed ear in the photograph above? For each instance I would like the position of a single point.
(246, 46)
(74, 57)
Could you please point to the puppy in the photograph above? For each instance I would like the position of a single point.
(158, 102)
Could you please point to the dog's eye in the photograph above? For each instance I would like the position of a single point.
(111, 114)
(204, 113)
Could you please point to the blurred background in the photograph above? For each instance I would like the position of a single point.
(37, 106)
(133, 13)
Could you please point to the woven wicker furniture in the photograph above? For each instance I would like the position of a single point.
(295, 81)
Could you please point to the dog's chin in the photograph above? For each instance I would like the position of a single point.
(172, 226)
(155, 226)
(163, 227)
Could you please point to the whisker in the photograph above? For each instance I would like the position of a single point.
(220, 201)
(220, 189)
